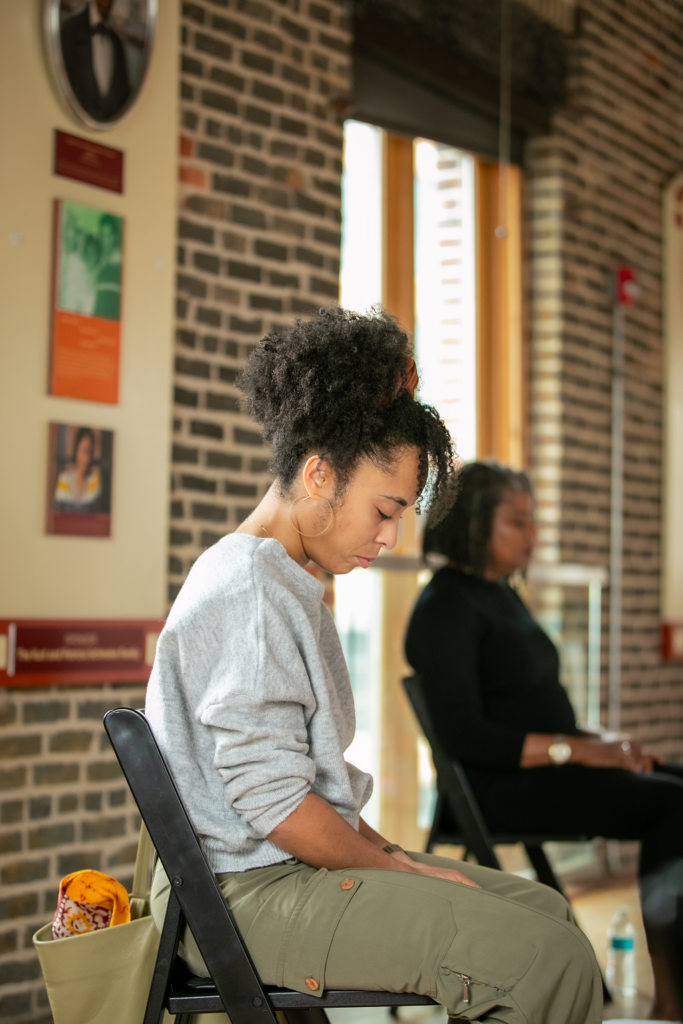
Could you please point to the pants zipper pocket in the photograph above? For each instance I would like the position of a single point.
(465, 979)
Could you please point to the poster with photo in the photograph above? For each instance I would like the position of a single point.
(86, 304)
(80, 465)
(99, 52)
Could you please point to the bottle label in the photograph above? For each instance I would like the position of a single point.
(622, 942)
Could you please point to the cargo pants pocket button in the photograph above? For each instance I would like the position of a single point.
(348, 883)
(312, 984)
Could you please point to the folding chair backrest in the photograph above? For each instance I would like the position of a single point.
(193, 881)
(453, 783)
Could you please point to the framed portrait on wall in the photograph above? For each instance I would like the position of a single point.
(99, 52)
(79, 480)
(86, 303)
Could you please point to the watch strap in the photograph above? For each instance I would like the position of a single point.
(393, 848)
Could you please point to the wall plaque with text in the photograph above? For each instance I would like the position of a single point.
(44, 652)
(87, 161)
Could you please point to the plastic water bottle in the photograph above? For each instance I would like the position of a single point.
(621, 955)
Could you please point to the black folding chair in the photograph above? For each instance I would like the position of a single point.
(234, 986)
(458, 820)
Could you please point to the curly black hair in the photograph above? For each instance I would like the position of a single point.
(464, 533)
(331, 384)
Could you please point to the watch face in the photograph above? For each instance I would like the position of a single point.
(559, 752)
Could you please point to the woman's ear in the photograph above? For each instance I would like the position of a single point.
(318, 477)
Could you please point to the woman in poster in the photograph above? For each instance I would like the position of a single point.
(80, 486)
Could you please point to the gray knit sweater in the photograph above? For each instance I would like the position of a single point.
(250, 700)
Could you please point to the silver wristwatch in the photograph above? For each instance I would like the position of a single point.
(559, 750)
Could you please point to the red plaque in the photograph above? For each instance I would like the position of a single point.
(45, 652)
(88, 161)
(672, 641)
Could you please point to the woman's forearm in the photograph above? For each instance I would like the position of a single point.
(317, 835)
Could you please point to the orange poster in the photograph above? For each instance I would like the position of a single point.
(86, 305)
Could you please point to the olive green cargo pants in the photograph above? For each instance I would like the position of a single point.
(516, 942)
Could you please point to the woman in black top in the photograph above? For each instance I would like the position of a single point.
(491, 679)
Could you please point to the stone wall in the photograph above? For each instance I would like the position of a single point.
(594, 200)
(64, 806)
(262, 87)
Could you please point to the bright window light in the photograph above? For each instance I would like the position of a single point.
(361, 254)
(445, 330)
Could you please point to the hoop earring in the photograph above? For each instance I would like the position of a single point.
(308, 498)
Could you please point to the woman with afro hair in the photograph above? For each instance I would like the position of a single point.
(251, 704)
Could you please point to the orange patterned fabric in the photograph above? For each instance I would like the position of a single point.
(89, 900)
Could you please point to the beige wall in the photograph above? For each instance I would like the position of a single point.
(124, 575)
(672, 553)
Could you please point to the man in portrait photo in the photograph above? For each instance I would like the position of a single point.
(95, 60)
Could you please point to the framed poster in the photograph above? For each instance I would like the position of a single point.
(80, 464)
(99, 52)
(86, 302)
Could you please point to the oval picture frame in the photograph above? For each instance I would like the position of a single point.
(84, 57)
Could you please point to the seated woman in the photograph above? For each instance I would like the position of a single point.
(491, 679)
(251, 704)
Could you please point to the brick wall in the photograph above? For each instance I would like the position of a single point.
(262, 87)
(594, 199)
(64, 806)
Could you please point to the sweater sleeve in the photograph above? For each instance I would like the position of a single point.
(257, 717)
(443, 645)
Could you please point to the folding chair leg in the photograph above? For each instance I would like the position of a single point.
(168, 947)
(541, 866)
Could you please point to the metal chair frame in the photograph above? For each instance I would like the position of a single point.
(234, 986)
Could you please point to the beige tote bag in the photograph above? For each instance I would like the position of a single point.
(103, 977)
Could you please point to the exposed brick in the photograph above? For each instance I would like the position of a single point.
(246, 215)
(242, 436)
(319, 286)
(8, 712)
(246, 326)
(265, 302)
(204, 315)
(268, 40)
(71, 741)
(11, 810)
(181, 453)
(10, 842)
(181, 396)
(103, 828)
(192, 285)
(304, 202)
(228, 183)
(284, 280)
(82, 860)
(288, 124)
(175, 566)
(50, 835)
(177, 510)
(212, 513)
(233, 28)
(257, 61)
(265, 91)
(259, 465)
(18, 906)
(24, 871)
(92, 801)
(320, 13)
(270, 250)
(118, 797)
(194, 12)
(190, 66)
(293, 28)
(103, 771)
(210, 44)
(55, 774)
(20, 746)
(296, 76)
(258, 115)
(225, 403)
(200, 428)
(316, 259)
(198, 232)
(218, 101)
(193, 368)
(224, 460)
(39, 807)
(67, 803)
(216, 154)
(8, 942)
(197, 483)
(14, 1005)
(245, 271)
(207, 538)
(126, 855)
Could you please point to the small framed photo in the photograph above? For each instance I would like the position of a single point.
(79, 480)
(99, 52)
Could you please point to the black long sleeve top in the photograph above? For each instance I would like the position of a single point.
(490, 673)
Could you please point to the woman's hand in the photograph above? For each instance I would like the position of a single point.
(620, 753)
(448, 874)
(593, 751)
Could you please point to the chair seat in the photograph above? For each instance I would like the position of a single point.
(199, 995)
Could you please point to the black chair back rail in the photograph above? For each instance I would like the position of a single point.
(234, 986)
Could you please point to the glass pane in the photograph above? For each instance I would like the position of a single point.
(445, 327)
(358, 615)
(362, 206)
